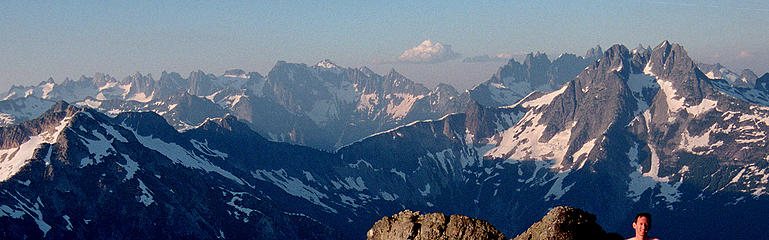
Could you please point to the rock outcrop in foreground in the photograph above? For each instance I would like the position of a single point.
(566, 223)
(561, 223)
(412, 225)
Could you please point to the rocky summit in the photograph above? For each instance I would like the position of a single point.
(565, 223)
(413, 225)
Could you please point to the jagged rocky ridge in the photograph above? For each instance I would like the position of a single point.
(14, 111)
(745, 79)
(324, 106)
(635, 131)
(344, 104)
(76, 173)
(515, 80)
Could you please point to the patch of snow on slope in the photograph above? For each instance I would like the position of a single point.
(232, 81)
(738, 176)
(126, 89)
(91, 103)
(179, 155)
(640, 182)
(114, 133)
(348, 200)
(14, 159)
(669, 193)
(355, 183)
(538, 165)
(655, 165)
(753, 95)
(7, 119)
(10, 95)
(18, 110)
(25, 183)
(648, 69)
(326, 64)
(557, 190)
(47, 88)
(760, 115)
(107, 86)
(227, 102)
(213, 96)
(509, 93)
(675, 103)
(399, 173)
(545, 99)
(405, 102)
(100, 96)
(238, 197)
(711, 75)
(141, 97)
(444, 159)
(97, 148)
(754, 179)
(358, 164)
(7, 211)
(426, 191)
(749, 126)
(29, 208)
(617, 68)
(655, 161)
(292, 185)
(388, 196)
(367, 102)
(130, 167)
(203, 148)
(522, 142)
(728, 75)
(505, 122)
(584, 150)
(705, 106)
(637, 84)
(69, 224)
(309, 176)
(146, 197)
(699, 145)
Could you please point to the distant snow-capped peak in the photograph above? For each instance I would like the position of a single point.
(326, 63)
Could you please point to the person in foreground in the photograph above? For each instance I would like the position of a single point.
(642, 224)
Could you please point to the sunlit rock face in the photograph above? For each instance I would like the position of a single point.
(413, 225)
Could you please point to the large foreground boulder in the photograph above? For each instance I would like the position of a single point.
(412, 225)
(566, 223)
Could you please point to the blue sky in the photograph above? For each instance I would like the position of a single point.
(67, 39)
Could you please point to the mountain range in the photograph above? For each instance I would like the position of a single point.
(632, 130)
(323, 106)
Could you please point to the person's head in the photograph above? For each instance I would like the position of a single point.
(642, 224)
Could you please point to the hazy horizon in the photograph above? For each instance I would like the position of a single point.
(70, 39)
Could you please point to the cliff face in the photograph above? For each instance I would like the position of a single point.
(413, 225)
